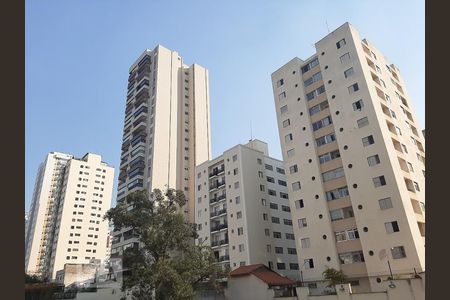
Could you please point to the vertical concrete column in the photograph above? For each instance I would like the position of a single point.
(343, 291)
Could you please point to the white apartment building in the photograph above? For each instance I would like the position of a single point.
(355, 162)
(166, 130)
(66, 223)
(242, 209)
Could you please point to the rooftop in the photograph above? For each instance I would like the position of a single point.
(265, 274)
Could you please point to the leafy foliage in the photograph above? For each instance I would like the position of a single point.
(167, 264)
(334, 276)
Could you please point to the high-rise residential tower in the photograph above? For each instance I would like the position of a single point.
(166, 130)
(66, 225)
(242, 209)
(355, 162)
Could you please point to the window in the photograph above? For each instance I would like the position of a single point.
(351, 257)
(282, 96)
(291, 152)
(345, 58)
(280, 82)
(325, 139)
(293, 266)
(315, 93)
(329, 156)
(272, 192)
(281, 266)
(238, 199)
(299, 204)
(276, 220)
(350, 234)
(259, 160)
(368, 140)
(340, 44)
(341, 213)
(282, 182)
(287, 222)
(385, 203)
(293, 169)
(314, 78)
(410, 166)
(333, 174)
(393, 114)
(337, 193)
(416, 186)
(318, 108)
(322, 123)
(279, 250)
(285, 208)
(238, 215)
(273, 205)
(263, 202)
(398, 130)
(277, 235)
(379, 181)
(310, 65)
(284, 109)
(290, 236)
(363, 122)
(241, 247)
(260, 174)
(398, 252)
(284, 195)
(288, 138)
(236, 184)
(353, 88)
(358, 105)
(302, 223)
(269, 248)
(262, 188)
(305, 242)
(280, 170)
(265, 217)
(391, 227)
(235, 171)
(270, 265)
(286, 123)
(296, 186)
(373, 160)
(235, 157)
(240, 231)
(309, 263)
(267, 232)
(270, 179)
(388, 99)
(348, 72)
(269, 167)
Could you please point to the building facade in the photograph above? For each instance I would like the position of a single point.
(242, 209)
(355, 162)
(166, 130)
(66, 224)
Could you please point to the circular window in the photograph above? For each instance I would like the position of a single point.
(355, 186)
(329, 81)
(365, 229)
(360, 206)
(313, 178)
(324, 236)
(378, 279)
(293, 72)
(350, 166)
(326, 67)
(341, 129)
(370, 252)
(323, 53)
(328, 258)
(301, 113)
(345, 147)
(320, 216)
(334, 96)
(307, 144)
(316, 196)
(304, 128)
(310, 160)
(337, 112)
(296, 85)
(298, 99)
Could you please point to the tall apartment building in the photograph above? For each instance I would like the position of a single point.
(242, 209)
(166, 130)
(355, 162)
(66, 225)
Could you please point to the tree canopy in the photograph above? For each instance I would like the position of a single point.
(167, 264)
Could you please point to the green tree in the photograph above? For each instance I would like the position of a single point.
(167, 264)
(334, 277)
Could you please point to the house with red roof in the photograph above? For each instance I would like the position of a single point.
(259, 282)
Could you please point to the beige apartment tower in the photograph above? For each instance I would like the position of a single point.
(66, 225)
(355, 162)
(166, 130)
(242, 209)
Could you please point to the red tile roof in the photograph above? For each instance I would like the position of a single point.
(264, 273)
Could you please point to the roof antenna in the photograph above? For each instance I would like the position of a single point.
(251, 131)
(327, 26)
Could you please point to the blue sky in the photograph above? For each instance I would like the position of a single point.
(78, 54)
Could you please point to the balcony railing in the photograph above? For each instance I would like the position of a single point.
(217, 185)
(219, 243)
(217, 199)
(224, 258)
(219, 212)
(216, 172)
(219, 227)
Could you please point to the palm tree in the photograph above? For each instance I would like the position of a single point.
(334, 277)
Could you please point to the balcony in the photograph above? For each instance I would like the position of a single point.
(216, 172)
(219, 243)
(217, 199)
(217, 185)
(218, 213)
(219, 227)
(224, 258)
